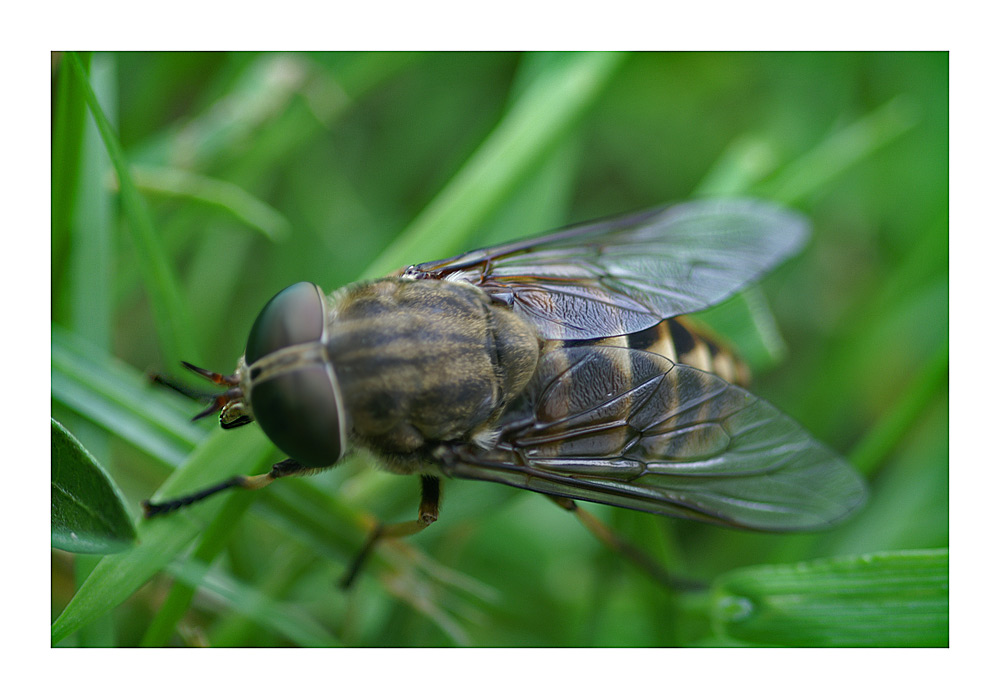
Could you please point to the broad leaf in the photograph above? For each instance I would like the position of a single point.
(88, 512)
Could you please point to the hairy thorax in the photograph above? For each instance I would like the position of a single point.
(423, 362)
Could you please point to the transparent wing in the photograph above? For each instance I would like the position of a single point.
(621, 275)
(630, 428)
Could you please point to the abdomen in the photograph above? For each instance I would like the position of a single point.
(680, 341)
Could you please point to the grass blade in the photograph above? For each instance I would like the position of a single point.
(843, 149)
(210, 544)
(898, 598)
(208, 190)
(67, 135)
(881, 439)
(546, 111)
(117, 397)
(171, 315)
(160, 540)
(251, 603)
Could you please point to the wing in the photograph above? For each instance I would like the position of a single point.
(630, 428)
(621, 275)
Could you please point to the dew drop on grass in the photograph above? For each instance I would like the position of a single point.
(736, 608)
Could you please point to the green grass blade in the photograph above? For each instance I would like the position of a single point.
(250, 101)
(248, 601)
(898, 598)
(746, 161)
(70, 111)
(208, 190)
(171, 315)
(881, 439)
(544, 114)
(123, 401)
(102, 633)
(210, 544)
(92, 254)
(541, 201)
(160, 540)
(841, 150)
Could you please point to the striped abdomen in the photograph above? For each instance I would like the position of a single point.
(677, 340)
(601, 408)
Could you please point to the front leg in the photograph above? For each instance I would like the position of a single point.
(288, 467)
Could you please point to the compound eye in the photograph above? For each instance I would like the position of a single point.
(300, 412)
(294, 316)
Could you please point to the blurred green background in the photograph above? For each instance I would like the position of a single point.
(241, 173)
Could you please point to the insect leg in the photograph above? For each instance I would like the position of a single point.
(619, 545)
(430, 499)
(288, 467)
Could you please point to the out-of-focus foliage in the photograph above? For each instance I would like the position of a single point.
(217, 179)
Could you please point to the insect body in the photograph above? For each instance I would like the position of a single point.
(425, 362)
(556, 364)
